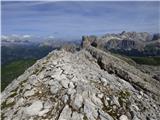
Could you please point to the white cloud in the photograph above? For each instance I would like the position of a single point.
(26, 36)
(51, 37)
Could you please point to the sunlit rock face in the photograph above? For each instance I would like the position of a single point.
(86, 85)
(128, 43)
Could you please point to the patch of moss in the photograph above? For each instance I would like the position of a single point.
(125, 94)
(13, 94)
(36, 71)
(111, 111)
(2, 116)
(124, 98)
(85, 117)
(5, 105)
(21, 90)
(21, 83)
(145, 79)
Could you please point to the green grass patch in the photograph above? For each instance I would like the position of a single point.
(12, 70)
(147, 60)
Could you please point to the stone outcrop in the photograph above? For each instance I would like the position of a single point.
(86, 85)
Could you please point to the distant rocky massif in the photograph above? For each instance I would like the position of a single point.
(90, 84)
(128, 43)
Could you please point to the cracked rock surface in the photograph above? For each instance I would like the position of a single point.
(86, 85)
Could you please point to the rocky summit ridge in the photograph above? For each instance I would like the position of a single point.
(86, 85)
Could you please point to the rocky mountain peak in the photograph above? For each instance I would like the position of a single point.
(86, 85)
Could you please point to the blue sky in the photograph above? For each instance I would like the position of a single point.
(74, 19)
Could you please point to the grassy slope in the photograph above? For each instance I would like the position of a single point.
(13, 70)
(147, 60)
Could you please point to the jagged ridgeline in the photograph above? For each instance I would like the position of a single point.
(89, 84)
(127, 43)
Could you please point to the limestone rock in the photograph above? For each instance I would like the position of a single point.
(65, 83)
(96, 100)
(77, 102)
(71, 85)
(28, 87)
(77, 116)
(29, 93)
(123, 117)
(55, 87)
(42, 112)
(90, 110)
(65, 98)
(33, 80)
(105, 116)
(65, 114)
(10, 100)
(34, 109)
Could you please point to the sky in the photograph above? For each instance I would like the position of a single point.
(74, 19)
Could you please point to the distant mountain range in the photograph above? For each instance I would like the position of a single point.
(16, 38)
(128, 43)
(15, 47)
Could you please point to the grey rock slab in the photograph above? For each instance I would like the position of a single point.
(100, 95)
(56, 74)
(20, 102)
(42, 112)
(34, 109)
(29, 93)
(9, 114)
(104, 115)
(90, 110)
(135, 118)
(77, 116)
(52, 82)
(104, 81)
(64, 83)
(48, 104)
(28, 87)
(65, 98)
(55, 88)
(41, 75)
(106, 100)
(71, 91)
(66, 113)
(71, 85)
(123, 117)
(96, 100)
(33, 80)
(77, 102)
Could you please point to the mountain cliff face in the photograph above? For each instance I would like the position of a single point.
(129, 43)
(86, 85)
